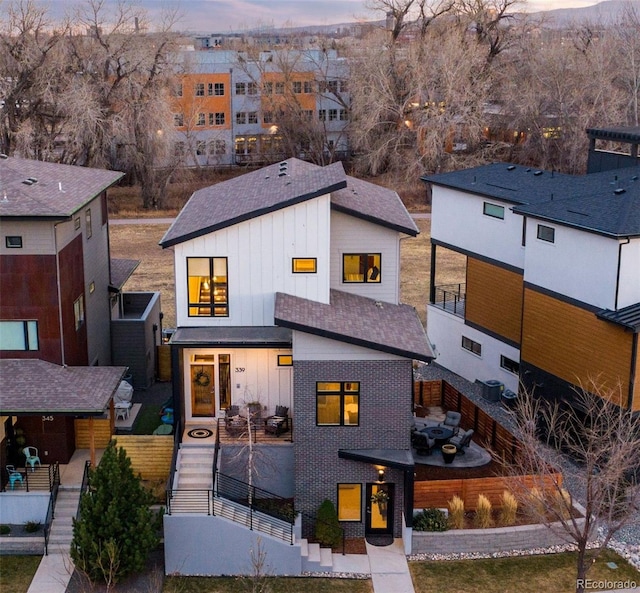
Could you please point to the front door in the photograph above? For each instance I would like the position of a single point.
(379, 513)
(203, 389)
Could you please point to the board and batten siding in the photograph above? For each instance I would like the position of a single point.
(310, 347)
(260, 253)
(353, 235)
(494, 299)
(573, 344)
(457, 219)
(578, 264)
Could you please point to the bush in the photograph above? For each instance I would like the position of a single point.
(508, 510)
(430, 520)
(5, 529)
(483, 518)
(563, 504)
(32, 526)
(537, 510)
(328, 530)
(456, 513)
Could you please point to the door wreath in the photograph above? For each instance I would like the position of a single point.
(202, 379)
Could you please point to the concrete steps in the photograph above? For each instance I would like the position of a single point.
(195, 468)
(315, 558)
(61, 532)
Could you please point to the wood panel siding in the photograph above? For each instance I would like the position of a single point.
(494, 299)
(427, 393)
(101, 431)
(574, 345)
(150, 454)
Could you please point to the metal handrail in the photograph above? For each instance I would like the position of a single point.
(54, 485)
(451, 297)
(84, 486)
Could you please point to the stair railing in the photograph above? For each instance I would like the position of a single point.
(54, 486)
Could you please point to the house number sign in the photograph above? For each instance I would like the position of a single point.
(47, 418)
(240, 369)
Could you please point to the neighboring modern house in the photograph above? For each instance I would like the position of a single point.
(61, 301)
(551, 295)
(287, 294)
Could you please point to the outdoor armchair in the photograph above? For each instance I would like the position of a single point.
(279, 422)
(31, 453)
(452, 421)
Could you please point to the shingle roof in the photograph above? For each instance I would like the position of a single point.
(357, 320)
(233, 336)
(279, 186)
(628, 317)
(607, 203)
(54, 389)
(121, 270)
(57, 192)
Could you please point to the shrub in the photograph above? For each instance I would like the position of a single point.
(32, 526)
(509, 509)
(536, 502)
(483, 518)
(562, 504)
(456, 512)
(328, 530)
(5, 529)
(430, 520)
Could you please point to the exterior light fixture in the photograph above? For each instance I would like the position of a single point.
(380, 475)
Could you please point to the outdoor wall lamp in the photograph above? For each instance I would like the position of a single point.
(380, 475)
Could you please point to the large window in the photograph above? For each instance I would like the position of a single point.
(338, 403)
(349, 502)
(493, 210)
(207, 286)
(241, 88)
(361, 267)
(18, 335)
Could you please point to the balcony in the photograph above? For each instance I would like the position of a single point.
(451, 298)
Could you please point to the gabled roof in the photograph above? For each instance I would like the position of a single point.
(54, 389)
(35, 189)
(281, 185)
(395, 329)
(606, 203)
(121, 270)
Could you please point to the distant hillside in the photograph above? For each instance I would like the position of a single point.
(606, 13)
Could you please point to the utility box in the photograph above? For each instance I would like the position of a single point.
(509, 398)
(492, 390)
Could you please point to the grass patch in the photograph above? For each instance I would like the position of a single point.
(554, 572)
(16, 572)
(148, 419)
(275, 585)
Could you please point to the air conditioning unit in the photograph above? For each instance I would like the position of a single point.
(492, 390)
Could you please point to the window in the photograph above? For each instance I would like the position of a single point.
(546, 233)
(297, 87)
(268, 88)
(308, 114)
(338, 403)
(218, 119)
(178, 149)
(285, 360)
(201, 148)
(471, 346)
(306, 265)
(18, 335)
(279, 88)
(241, 117)
(322, 114)
(200, 121)
(361, 267)
(76, 223)
(343, 86)
(198, 90)
(207, 286)
(215, 89)
(252, 88)
(178, 90)
(509, 365)
(13, 242)
(349, 502)
(343, 115)
(241, 88)
(217, 147)
(87, 223)
(252, 117)
(333, 114)
(332, 86)
(267, 117)
(493, 210)
(178, 119)
(78, 311)
(308, 86)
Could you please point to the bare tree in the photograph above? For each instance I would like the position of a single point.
(598, 437)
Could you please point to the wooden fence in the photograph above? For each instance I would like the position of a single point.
(101, 433)
(150, 454)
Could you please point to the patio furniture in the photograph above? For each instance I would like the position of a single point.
(441, 434)
(31, 453)
(452, 421)
(422, 443)
(278, 423)
(462, 440)
(14, 476)
(234, 424)
(122, 410)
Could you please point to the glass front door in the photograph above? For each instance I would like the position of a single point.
(379, 514)
(210, 382)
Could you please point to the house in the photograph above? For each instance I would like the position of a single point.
(61, 301)
(287, 294)
(551, 294)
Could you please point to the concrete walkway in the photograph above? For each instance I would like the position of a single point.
(389, 568)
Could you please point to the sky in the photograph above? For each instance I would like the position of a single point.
(221, 16)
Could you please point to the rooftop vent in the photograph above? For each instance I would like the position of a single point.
(619, 191)
(282, 174)
(3, 155)
(28, 182)
(537, 173)
(511, 167)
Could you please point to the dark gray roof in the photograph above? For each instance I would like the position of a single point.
(270, 336)
(279, 186)
(58, 192)
(629, 134)
(628, 317)
(34, 386)
(393, 458)
(357, 320)
(121, 270)
(607, 203)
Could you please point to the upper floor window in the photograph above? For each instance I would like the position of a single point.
(361, 267)
(178, 90)
(241, 88)
(268, 88)
(200, 121)
(322, 114)
(87, 223)
(252, 117)
(215, 89)
(493, 210)
(297, 87)
(252, 88)
(279, 88)
(217, 119)
(304, 265)
(308, 86)
(267, 117)
(343, 115)
(178, 119)
(78, 311)
(338, 403)
(207, 286)
(333, 114)
(285, 360)
(241, 117)
(18, 335)
(13, 242)
(198, 90)
(546, 233)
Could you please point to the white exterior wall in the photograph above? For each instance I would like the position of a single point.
(580, 265)
(260, 253)
(255, 376)
(629, 289)
(37, 238)
(445, 333)
(353, 235)
(457, 219)
(310, 347)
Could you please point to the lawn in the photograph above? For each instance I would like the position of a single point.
(274, 585)
(16, 572)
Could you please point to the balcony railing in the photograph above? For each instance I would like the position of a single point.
(451, 298)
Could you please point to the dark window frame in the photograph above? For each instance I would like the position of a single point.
(471, 346)
(213, 307)
(486, 210)
(295, 259)
(342, 392)
(285, 364)
(546, 233)
(28, 347)
(377, 279)
(13, 241)
(510, 365)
